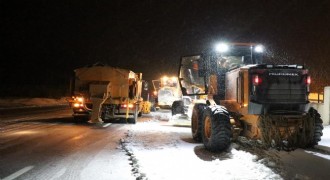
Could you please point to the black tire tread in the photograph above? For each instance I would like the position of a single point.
(220, 129)
(177, 108)
(197, 135)
(318, 127)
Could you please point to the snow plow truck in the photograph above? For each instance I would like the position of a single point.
(101, 92)
(238, 95)
(167, 90)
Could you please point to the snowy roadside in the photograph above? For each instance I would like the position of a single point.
(9, 103)
(325, 139)
(176, 156)
(323, 145)
(11, 107)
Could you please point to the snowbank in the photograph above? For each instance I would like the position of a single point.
(28, 102)
(325, 139)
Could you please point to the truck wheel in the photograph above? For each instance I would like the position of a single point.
(81, 118)
(318, 126)
(135, 116)
(133, 120)
(196, 121)
(153, 109)
(216, 131)
(177, 108)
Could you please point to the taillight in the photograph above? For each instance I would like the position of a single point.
(308, 80)
(256, 80)
(125, 106)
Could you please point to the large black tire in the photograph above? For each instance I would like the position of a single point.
(135, 116)
(81, 118)
(153, 109)
(318, 126)
(177, 108)
(216, 131)
(196, 121)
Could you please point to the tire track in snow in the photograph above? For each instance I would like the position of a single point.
(132, 158)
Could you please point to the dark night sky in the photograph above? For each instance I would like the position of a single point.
(43, 41)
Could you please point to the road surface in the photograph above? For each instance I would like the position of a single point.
(50, 145)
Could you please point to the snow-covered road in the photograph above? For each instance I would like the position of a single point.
(159, 150)
(154, 149)
(167, 152)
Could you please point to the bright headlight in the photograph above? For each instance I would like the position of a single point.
(173, 79)
(76, 105)
(259, 49)
(80, 99)
(222, 47)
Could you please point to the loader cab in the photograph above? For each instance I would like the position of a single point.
(204, 74)
(192, 77)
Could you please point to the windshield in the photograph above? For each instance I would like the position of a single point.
(241, 54)
(169, 82)
(191, 81)
(156, 84)
(195, 70)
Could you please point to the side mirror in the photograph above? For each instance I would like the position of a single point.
(145, 86)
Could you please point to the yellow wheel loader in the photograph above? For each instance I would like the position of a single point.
(237, 95)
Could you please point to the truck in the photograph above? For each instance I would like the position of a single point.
(101, 92)
(167, 91)
(239, 95)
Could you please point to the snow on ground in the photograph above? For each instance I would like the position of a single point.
(325, 139)
(28, 102)
(167, 152)
(178, 120)
(325, 156)
(159, 115)
(162, 114)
